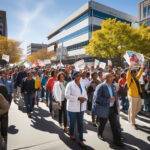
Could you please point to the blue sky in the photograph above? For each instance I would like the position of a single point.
(31, 20)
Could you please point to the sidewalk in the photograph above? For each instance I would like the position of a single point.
(43, 133)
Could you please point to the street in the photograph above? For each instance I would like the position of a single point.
(41, 132)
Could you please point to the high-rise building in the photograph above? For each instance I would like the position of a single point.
(34, 47)
(75, 31)
(3, 23)
(144, 12)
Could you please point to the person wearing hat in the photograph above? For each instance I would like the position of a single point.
(76, 105)
(134, 93)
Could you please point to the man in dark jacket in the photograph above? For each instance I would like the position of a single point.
(28, 91)
(20, 76)
(106, 108)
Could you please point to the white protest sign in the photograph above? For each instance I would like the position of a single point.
(96, 63)
(102, 65)
(5, 57)
(47, 61)
(109, 63)
(79, 65)
(134, 58)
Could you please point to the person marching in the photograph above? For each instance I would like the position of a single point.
(59, 96)
(134, 93)
(28, 91)
(76, 105)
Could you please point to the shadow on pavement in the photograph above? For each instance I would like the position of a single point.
(132, 140)
(143, 128)
(12, 129)
(40, 123)
(148, 138)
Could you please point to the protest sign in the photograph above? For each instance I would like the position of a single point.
(47, 61)
(79, 65)
(109, 63)
(96, 63)
(102, 65)
(134, 58)
(5, 57)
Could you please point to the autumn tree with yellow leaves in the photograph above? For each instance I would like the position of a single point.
(10, 47)
(116, 37)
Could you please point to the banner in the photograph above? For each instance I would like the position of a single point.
(134, 58)
(102, 65)
(79, 65)
(5, 57)
(96, 63)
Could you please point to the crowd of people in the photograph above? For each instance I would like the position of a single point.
(100, 93)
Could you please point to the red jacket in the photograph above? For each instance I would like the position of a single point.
(50, 84)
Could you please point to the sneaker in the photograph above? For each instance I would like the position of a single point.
(101, 137)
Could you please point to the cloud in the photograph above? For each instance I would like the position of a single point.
(29, 14)
(26, 17)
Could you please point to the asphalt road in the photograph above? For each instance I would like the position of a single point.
(41, 132)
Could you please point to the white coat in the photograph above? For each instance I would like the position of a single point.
(72, 93)
(59, 91)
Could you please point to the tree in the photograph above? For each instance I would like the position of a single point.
(10, 47)
(40, 55)
(116, 37)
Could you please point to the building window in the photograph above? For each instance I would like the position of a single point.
(148, 10)
(77, 46)
(1, 33)
(101, 15)
(75, 34)
(76, 21)
(145, 11)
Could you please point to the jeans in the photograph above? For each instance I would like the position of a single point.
(38, 95)
(124, 103)
(73, 118)
(29, 102)
(47, 95)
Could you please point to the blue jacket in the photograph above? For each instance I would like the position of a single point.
(9, 85)
(44, 80)
(101, 100)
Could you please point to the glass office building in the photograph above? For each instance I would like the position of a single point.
(144, 12)
(75, 32)
(34, 47)
(3, 23)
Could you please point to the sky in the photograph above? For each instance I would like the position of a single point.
(31, 20)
